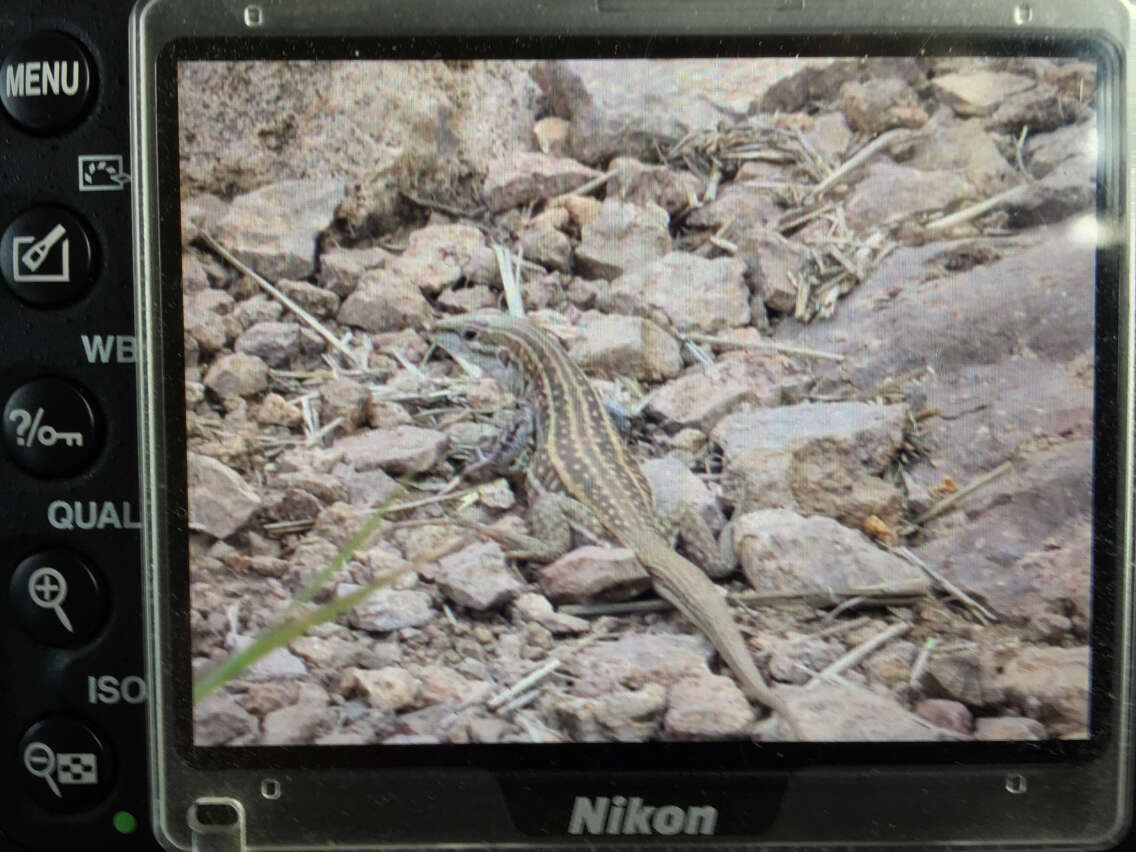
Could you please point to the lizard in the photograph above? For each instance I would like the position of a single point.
(579, 455)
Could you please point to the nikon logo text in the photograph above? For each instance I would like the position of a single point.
(623, 815)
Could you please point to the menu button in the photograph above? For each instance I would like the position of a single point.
(46, 82)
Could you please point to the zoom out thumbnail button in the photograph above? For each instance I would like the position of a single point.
(47, 256)
(51, 428)
(64, 765)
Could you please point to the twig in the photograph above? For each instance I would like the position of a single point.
(975, 210)
(280, 528)
(437, 498)
(980, 612)
(863, 155)
(520, 701)
(595, 183)
(616, 607)
(921, 661)
(764, 345)
(949, 502)
(859, 652)
(444, 208)
(537, 675)
(264, 284)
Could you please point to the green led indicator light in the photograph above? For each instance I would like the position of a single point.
(125, 823)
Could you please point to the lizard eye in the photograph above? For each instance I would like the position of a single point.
(469, 334)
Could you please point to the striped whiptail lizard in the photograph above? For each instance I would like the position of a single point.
(579, 454)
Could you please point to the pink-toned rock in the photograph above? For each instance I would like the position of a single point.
(594, 573)
(710, 707)
(952, 715)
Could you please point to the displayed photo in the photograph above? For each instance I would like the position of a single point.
(544, 401)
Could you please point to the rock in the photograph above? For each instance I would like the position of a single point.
(333, 653)
(693, 293)
(646, 104)
(891, 664)
(711, 707)
(741, 203)
(979, 93)
(1008, 728)
(344, 398)
(206, 315)
(551, 135)
(296, 725)
(259, 308)
(275, 343)
(200, 213)
(478, 577)
(781, 551)
(872, 434)
(547, 247)
(384, 302)
(487, 730)
(274, 229)
(441, 685)
(263, 698)
(796, 662)
(341, 269)
(435, 255)
(1053, 683)
(832, 713)
(538, 608)
(967, 147)
(769, 261)
(527, 176)
(326, 487)
(468, 299)
(397, 450)
(677, 491)
(641, 184)
(277, 664)
(952, 715)
(1041, 107)
(961, 677)
(704, 394)
(638, 659)
(390, 688)
(874, 106)
(220, 501)
(891, 193)
(630, 716)
(1069, 189)
(389, 609)
(827, 479)
(594, 573)
(218, 719)
(237, 375)
(274, 410)
(622, 345)
(1046, 151)
(622, 238)
(315, 300)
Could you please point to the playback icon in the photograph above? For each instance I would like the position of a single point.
(47, 256)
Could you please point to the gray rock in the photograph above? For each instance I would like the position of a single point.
(891, 193)
(384, 301)
(435, 256)
(398, 449)
(220, 501)
(781, 551)
(274, 229)
(389, 609)
(593, 573)
(830, 713)
(526, 176)
(703, 395)
(391, 687)
(315, 300)
(711, 707)
(952, 715)
(623, 237)
(237, 375)
(478, 577)
(218, 719)
(874, 106)
(872, 433)
(1053, 683)
(341, 269)
(979, 93)
(538, 608)
(620, 345)
(275, 343)
(638, 659)
(695, 294)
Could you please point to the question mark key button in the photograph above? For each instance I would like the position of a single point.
(51, 427)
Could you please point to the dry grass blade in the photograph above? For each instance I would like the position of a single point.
(980, 612)
(865, 154)
(764, 346)
(291, 305)
(859, 653)
(951, 501)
